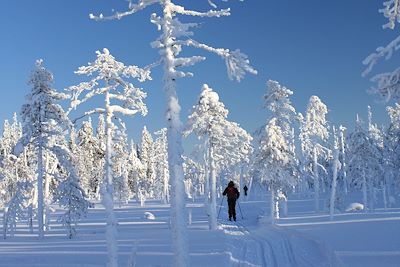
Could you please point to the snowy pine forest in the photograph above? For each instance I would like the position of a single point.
(70, 171)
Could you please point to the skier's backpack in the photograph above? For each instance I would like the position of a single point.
(231, 192)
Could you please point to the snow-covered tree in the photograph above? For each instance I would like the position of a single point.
(111, 80)
(9, 176)
(17, 207)
(227, 143)
(69, 193)
(136, 171)
(276, 163)
(194, 177)
(377, 137)
(388, 84)
(160, 147)
(99, 155)
(176, 35)
(147, 158)
(43, 122)
(278, 102)
(391, 151)
(364, 162)
(86, 158)
(120, 160)
(314, 135)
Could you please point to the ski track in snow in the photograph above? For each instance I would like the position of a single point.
(273, 246)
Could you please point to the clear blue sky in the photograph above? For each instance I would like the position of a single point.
(313, 47)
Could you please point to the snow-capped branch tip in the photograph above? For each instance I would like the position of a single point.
(388, 85)
(211, 13)
(386, 52)
(237, 63)
(391, 11)
(132, 8)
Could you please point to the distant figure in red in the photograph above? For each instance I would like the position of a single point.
(232, 195)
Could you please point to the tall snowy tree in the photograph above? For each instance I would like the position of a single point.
(161, 164)
(314, 135)
(86, 152)
(111, 81)
(364, 162)
(136, 171)
(120, 160)
(392, 151)
(276, 163)
(147, 158)
(43, 122)
(227, 142)
(377, 137)
(278, 102)
(8, 169)
(176, 35)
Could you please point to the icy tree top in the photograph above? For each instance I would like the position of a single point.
(278, 102)
(209, 115)
(314, 130)
(177, 34)
(109, 76)
(209, 118)
(41, 111)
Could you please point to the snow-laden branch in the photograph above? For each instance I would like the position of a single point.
(385, 52)
(388, 85)
(237, 63)
(124, 111)
(211, 13)
(132, 8)
(88, 113)
(391, 11)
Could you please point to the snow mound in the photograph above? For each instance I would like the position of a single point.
(149, 216)
(354, 207)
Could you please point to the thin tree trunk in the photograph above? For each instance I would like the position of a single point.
(334, 179)
(316, 180)
(273, 206)
(213, 175)
(108, 201)
(364, 190)
(40, 192)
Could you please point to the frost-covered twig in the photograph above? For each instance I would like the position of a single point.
(385, 52)
(391, 11)
(132, 8)
(237, 63)
(388, 85)
(211, 13)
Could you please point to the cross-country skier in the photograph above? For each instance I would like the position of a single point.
(232, 195)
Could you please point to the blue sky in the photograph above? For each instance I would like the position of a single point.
(313, 47)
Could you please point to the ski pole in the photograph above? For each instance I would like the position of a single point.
(220, 206)
(241, 214)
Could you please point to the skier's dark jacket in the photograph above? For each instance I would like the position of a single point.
(231, 191)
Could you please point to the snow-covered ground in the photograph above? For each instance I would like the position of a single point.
(301, 239)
